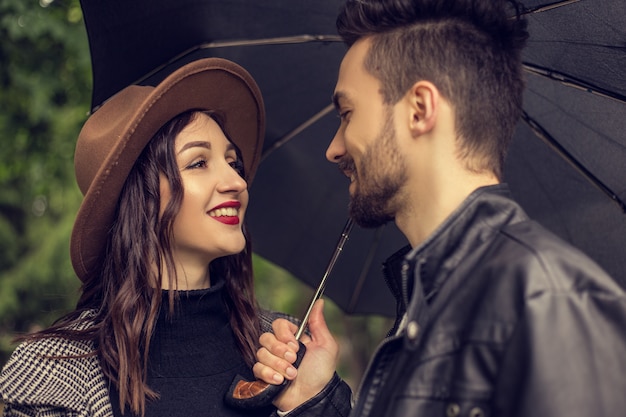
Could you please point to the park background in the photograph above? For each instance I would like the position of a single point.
(45, 94)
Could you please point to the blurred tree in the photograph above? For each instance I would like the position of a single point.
(45, 84)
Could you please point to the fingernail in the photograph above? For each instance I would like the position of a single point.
(278, 378)
(291, 372)
(290, 356)
(293, 345)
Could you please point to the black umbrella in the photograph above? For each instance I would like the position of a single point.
(575, 102)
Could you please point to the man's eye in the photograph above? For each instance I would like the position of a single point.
(344, 115)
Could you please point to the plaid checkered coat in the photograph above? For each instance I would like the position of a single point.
(32, 384)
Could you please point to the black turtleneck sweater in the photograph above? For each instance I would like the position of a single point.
(193, 358)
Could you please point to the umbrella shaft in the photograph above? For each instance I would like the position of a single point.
(320, 289)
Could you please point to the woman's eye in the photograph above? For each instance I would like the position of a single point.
(237, 165)
(198, 164)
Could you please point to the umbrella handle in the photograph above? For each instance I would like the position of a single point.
(252, 395)
(248, 395)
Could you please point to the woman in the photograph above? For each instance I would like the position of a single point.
(167, 315)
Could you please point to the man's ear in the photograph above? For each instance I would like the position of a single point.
(423, 100)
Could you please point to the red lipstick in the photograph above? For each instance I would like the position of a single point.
(223, 213)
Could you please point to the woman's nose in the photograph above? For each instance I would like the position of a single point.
(232, 180)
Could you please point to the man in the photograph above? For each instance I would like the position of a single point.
(499, 317)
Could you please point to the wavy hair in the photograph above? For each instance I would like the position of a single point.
(126, 295)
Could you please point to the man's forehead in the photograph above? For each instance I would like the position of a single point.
(353, 77)
(351, 65)
(357, 53)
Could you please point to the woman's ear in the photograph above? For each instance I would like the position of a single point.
(423, 103)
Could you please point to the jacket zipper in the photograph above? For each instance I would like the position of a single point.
(387, 340)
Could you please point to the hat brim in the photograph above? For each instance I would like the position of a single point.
(139, 112)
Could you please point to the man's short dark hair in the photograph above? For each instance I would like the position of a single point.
(470, 49)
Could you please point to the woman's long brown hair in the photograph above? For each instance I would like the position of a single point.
(126, 295)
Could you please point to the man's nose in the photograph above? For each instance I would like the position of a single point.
(336, 149)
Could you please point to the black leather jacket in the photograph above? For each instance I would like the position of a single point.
(508, 321)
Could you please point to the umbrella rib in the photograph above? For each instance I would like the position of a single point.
(243, 42)
(270, 41)
(548, 6)
(547, 138)
(573, 82)
(291, 134)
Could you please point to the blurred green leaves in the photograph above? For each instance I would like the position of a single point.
(45, 90)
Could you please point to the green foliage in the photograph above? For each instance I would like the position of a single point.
(45, 84)
(276, 289)
(45, 81)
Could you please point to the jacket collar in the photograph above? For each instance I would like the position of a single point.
(482, 214)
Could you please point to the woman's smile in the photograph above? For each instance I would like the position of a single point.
(227, 213)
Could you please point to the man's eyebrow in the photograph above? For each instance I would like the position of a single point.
(194, 144)
(337, 96)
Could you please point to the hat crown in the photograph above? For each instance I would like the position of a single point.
(102, 132)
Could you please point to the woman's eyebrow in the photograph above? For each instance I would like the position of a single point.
(194, 144)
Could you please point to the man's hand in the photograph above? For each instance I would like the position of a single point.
(278, 353)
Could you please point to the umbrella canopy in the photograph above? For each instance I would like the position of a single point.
(566, 165)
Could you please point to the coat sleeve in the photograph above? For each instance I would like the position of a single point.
(15, 410)
(54, 377)
(567, 357)
(333, 401)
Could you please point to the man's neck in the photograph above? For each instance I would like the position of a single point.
(428, 208)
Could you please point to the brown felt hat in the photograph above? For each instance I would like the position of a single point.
(115, 135)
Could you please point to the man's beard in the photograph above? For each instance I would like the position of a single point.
(381, 174)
